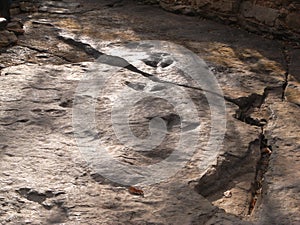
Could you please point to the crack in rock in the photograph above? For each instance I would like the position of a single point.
(261, 169)
(248, 104)
(123, 63)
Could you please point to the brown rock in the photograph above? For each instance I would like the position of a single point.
(27, 7)
(16, 27)
(292, 92)
(294, 66)
(40, 158)
(280, 190)
(293, 21)
(262, 14)
(7, 38)
(15, 11)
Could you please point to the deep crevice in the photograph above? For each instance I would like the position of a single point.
(230, 167)
(247, 105)
(261, 169)
(123, 63)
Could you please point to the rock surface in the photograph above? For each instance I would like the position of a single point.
(7, 38)
(280, 18)
(49, 87)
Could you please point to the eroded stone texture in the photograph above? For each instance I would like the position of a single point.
(260, 13)
(280, 18)
(45, 177)
(7, 38)
(279, 200)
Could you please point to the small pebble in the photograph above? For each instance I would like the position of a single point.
(227, 194)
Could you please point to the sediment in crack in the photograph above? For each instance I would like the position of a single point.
(261, 169)
(247, 105)
(231, 167)
(227, 169)
(255, 161)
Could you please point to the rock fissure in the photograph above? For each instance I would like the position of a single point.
(256, 159)
(247, 105)
(123, 63)
(38, 150)
(226, 175)
(228, 167)
(261, 169)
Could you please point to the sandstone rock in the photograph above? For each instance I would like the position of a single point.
(27, 6)
(276, 18)
(292, 93)
(16, 27)
(294, 67)
(224, 6)
(7, 38)
(45, 178)
(279, 200)
(172, 8)
(206, 8)
(260, 13)
(15, 8)
(58, 7)
(293, 21)
(149, 2)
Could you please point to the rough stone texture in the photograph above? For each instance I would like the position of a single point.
(44, 177)
(280, 199)
(15, 27)
(265, 15)
(7, 38)
(279, 18)
(293, 21)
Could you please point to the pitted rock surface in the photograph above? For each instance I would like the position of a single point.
(45, 178)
